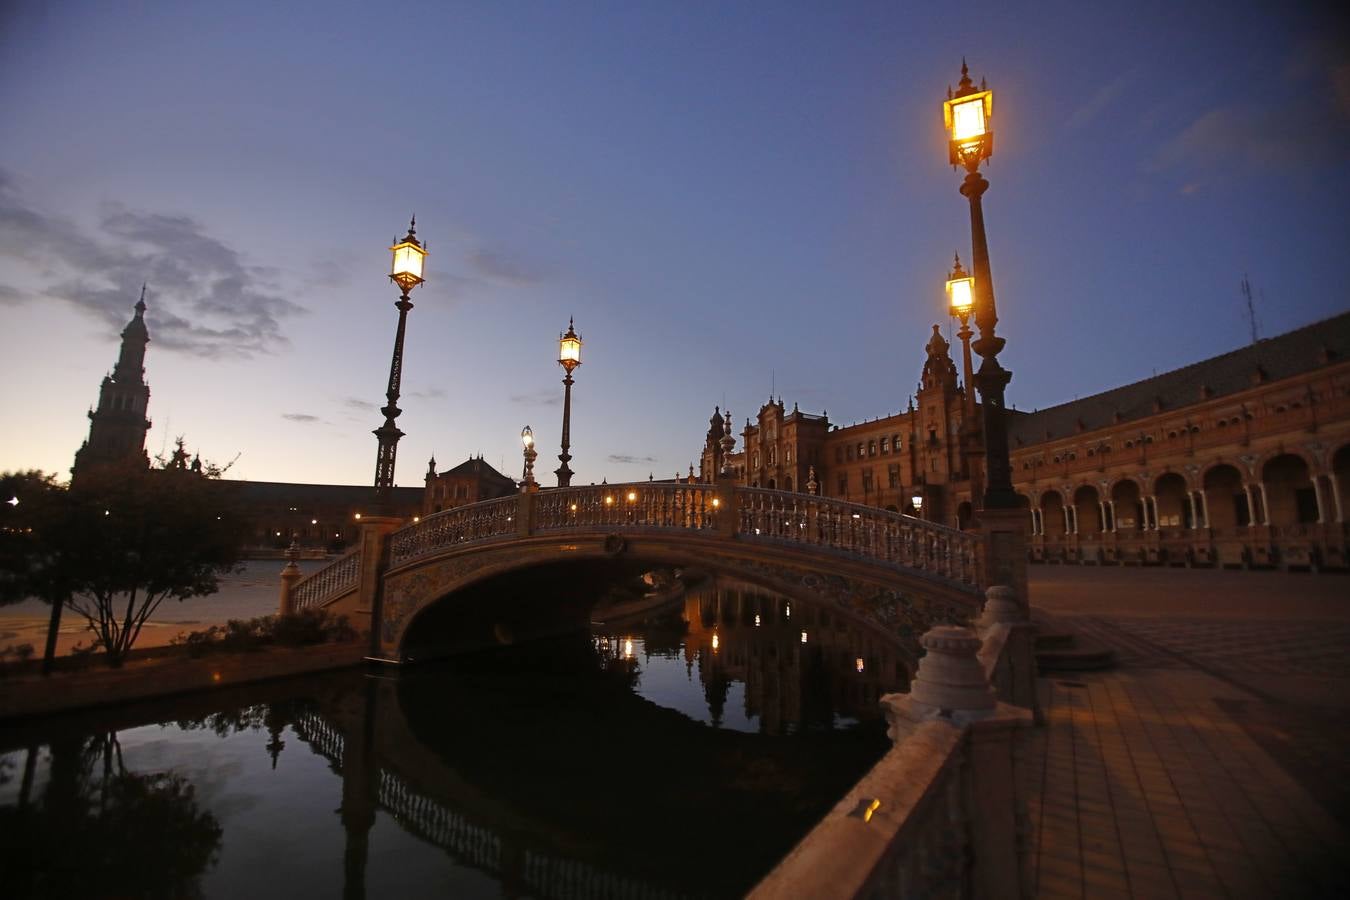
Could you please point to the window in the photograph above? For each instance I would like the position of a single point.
(838, 454)
(843, 484)
(885, 445)
(861, 449)
(893, 475)
(850, 453)
(867, 481)
(895, 442)
(871, 448)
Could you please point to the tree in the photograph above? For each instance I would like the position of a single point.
(31, 561)
(118, 542)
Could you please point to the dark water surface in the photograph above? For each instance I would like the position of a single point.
(680, 755)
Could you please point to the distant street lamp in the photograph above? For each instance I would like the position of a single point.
(967, 114)
(917, 502)
(569, 357)
(527, 439)
(961, 300)
(406, 272)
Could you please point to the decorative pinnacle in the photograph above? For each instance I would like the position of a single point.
(966, 86)
(140, 304)
(957, 271)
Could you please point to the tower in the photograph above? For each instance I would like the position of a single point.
(118, 426)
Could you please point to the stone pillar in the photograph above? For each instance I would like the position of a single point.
(1321, 504)
(1111, 505)
(374, 540)
(289, 576)
(1005, 549)
(1190, 505)
(1265, 503)
(1336, 497)
(1204, 506)
(950, 687)
(1251, 507)
(1068, 529)
(726, 511)
(1013, 670)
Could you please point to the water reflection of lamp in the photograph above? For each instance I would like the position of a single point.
(787, 611)
(858, 664)
(756, 620)
(803, 637)
(628, 648)
(716, 642)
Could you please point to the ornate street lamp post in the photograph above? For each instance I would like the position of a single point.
(569, 357)
(527, 440)
(406, 271)
(961, 300)
(967, 114)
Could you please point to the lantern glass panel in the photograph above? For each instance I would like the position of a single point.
(569, 350)
(968, 119)
(408, 259)
(961, 292)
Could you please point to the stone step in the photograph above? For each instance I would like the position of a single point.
(1054, 640)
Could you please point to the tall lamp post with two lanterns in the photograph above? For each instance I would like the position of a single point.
(967, 114)
(527, 482)
(569, 357)
(406, 271)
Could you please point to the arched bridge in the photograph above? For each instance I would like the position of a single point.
(896, 572)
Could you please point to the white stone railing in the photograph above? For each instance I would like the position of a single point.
(645, 505)
(461, 525)
(332, 581)
(943, 814)
(858, 530)
(752, 515)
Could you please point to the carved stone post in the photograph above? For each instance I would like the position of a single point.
(374, 539)
(1013, 670)
(1005, 552)
(289, 576)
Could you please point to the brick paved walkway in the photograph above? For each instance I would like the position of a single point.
(1145, 787)
(1215, 760)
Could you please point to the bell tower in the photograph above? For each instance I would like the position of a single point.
(118, 426)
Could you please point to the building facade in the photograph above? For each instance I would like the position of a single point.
(1240, 460)
(469, 482)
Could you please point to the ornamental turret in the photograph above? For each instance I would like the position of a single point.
(118, 426)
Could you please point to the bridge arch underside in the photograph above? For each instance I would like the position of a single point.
(517, 589)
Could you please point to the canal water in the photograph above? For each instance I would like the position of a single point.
(678, 749)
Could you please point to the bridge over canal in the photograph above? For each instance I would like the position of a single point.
(895, 572)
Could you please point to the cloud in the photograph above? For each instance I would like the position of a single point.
(1273, 133)
(358, 403)
(540, 397)
(1100, 100)
(624, 459)
(496, 267)
(204, 299)
(300, 417)
(431, 393)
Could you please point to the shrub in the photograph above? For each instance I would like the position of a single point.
(303, 629)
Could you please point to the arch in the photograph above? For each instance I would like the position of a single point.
(772, 484)
(1052, 514)
(1127, 498)
(964, 512)
(1087, 511)
(787, 483)
(1290, 496)
(900, 603)
(1225, 497)
(1265, 459)
(1171, 500)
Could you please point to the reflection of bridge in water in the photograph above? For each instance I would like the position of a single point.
(522, 870)
(901, 573)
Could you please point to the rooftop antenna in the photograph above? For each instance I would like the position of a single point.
(1251, 307)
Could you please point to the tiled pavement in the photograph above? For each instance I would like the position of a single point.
(1148, 781)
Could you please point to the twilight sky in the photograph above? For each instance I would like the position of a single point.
(728, 197)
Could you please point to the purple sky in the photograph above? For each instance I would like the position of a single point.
(726, 196)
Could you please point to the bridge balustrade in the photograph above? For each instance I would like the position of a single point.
(686, 507)
(859, 530)
(461, 525)
(329, 582)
